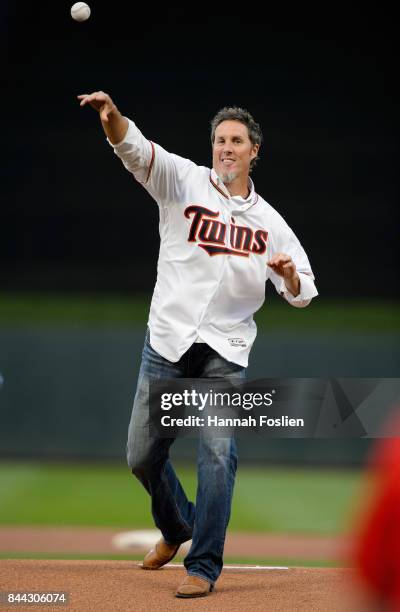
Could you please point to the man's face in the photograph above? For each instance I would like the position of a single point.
(232, 151)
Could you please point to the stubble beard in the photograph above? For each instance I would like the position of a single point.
(228, 177)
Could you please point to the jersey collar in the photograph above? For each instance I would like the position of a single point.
(240, 204)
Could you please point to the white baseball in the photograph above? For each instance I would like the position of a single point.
(80, 11)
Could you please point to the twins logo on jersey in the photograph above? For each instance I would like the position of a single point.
(211, 234)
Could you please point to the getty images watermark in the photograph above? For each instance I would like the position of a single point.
(279, 408)
(203, 401)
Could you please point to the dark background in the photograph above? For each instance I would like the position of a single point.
(321, 84)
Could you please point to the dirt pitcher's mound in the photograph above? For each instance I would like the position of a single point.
(123, 586)
(101, 540)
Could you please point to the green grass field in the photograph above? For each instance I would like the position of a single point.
(265, 500)
(53, 309)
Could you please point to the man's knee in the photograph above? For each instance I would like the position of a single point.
(219, 451)
(144, 462)
(220, 447)
(139, 462)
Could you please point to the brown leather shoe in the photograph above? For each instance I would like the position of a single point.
(161, 554)
(193, 586)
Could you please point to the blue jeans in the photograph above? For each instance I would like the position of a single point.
(177, 518)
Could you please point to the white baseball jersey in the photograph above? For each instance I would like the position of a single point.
(214, 248)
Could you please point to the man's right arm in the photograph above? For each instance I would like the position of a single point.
(114, 124)
(133, 149)
(163, 174)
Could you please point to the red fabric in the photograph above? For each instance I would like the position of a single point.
(378, 544)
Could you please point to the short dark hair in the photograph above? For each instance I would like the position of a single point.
(235, 113)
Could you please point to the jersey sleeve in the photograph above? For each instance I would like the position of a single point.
(161, 173)
(285, 241)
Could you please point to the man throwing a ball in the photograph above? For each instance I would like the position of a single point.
(219, 243)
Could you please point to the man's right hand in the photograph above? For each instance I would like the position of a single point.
(100, 101)
(114, 124)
